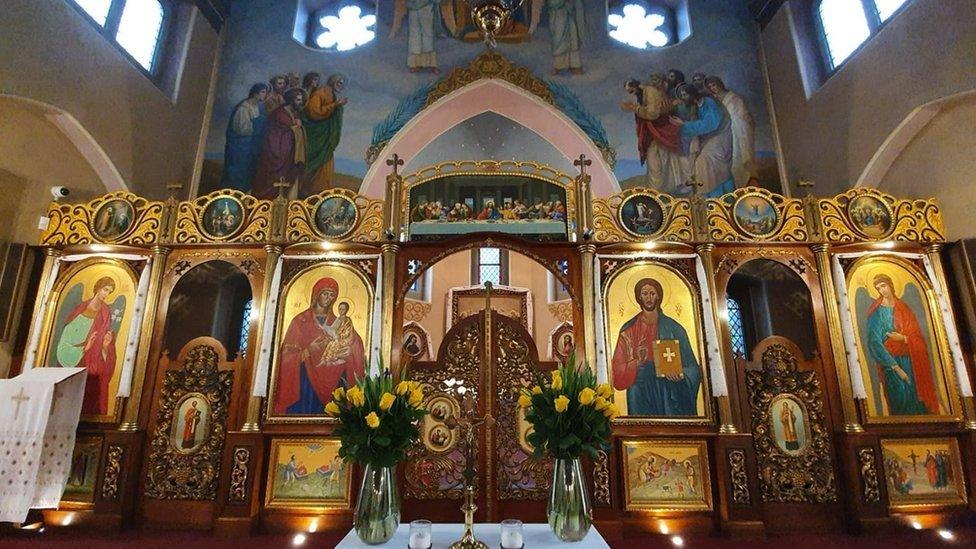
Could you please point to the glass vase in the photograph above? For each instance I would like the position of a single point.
(569, 511)
(378, 507)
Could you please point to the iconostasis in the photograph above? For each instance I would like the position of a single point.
(781, 364)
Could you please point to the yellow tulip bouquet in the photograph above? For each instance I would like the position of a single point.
(378, 419)
(570, 414)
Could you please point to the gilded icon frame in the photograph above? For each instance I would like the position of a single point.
(893, 222)
(777, 225)
(704, 474)
(280, 329)
(315, 217)
(79, 500)
(94, 219)
(50, 317)
(319, 504)
(707, 417)
(939, 344)
(660, 204)
(958, 496)
(241, 223)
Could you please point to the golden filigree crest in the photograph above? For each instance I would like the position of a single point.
(227, 215)
(868, 214)
(115, 218)
(754, 214)
(611, 225)
(490, 64)
(311, 219)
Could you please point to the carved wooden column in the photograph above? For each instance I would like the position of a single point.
(848, 405)
(584, 223)
(392, 232)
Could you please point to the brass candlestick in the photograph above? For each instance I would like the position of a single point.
(468, 424)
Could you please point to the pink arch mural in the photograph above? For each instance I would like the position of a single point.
(502, 98)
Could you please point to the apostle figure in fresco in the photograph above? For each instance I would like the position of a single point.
(283, 151)
(567, 25)
(323, 127)
(423, 24)
(898, 348)
(658, 139)
(318, 354)
(276, 97)
(245, 133)
(674, 79)
(705, 120)
(743, 131)
(310, 82)
(634, 370)
(88, 341)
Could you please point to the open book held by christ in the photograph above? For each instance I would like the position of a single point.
(667, 358)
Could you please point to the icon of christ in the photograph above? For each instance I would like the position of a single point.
(320, 351)
(654, 361)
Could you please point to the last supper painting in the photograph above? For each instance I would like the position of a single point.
(477, 274)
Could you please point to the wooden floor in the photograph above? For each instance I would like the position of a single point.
(963, 537)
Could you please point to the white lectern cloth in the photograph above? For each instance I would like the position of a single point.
(39, 413)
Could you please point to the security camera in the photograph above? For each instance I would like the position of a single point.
(60, 192)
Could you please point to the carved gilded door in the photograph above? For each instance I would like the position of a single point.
(490, 357)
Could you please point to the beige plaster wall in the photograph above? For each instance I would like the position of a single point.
(50, 53)
(940, 161)
(926, 53)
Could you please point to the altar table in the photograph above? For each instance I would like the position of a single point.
(535, 535)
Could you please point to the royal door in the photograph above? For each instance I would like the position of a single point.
(490, 356)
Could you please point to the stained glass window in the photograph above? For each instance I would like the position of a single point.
(736, 330)
(246, 327)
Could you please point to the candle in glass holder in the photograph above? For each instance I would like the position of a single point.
(419, 535)
(512, 534)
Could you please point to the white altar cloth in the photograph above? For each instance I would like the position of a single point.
(535, 536)
(39, 413)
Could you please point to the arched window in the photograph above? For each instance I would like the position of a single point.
(645, 24)
(847, 24)
(136, 27)
(336, 25)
